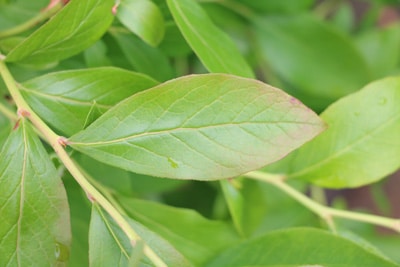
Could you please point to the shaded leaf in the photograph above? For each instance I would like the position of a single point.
(278, 6)
(197, 238)
(215, 49)
(143, 18)
(35, 228)
(380, 47)
(71, 100)
(200, 127)
(299, 247)
(77, 26)
(311, 56)
(235, 202)
(361, 144)
(5, 129)
(144, 58)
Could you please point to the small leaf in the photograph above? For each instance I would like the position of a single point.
(200, 127)
(362, 143)
(108, 245)
(197, 238)
(144, 58)
(71, 100)
(5, 129)
(143, 18)
(35, 228)
(215, 49)
(77, 26)
(299, 247)
(311, 56)
(235, 202)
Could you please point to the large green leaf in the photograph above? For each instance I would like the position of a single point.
(362, 143)
(143, 18)
(200, 127)
(299, 247)
(78, 25)
(35, 228)
(197, 238)
(215, 49)
(71, 100)
(311, 56)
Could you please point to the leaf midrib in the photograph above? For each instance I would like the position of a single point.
(181, 129)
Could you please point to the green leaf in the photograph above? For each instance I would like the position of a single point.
(108, 245)
(5, 129)
(215, 49)
(144, 58)
(234, 200)
(174, 44)
(311, 56)
(143, 18)
(278, 6)
(197, 238)
(71, 100)
(299, 247)
(361, 144)
(77, 26)
(96, 55)
(35, 228)
(202, 127)
(380, 47)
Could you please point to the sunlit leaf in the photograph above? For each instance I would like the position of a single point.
(200, 127)
(77, 26)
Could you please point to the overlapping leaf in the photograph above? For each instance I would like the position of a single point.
(71, 100)
(78, 25)
(109, 246)
(214, 48)
(34, 229)
(143, 18)
(362, 143)
(209, 126)
(299, 247)
(187, 231)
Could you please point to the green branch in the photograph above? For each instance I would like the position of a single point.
(58, 143)
(326, 213)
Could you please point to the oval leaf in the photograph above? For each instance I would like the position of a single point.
(71, 100)
(143, 18)
(200, 127)
(34, 211)
(362, 143)
(299, 248)
(213, 47)
(77, 26)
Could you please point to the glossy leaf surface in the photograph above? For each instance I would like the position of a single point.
(34, 211)
(215, 49)
(196, 237)
(78, 25)
(299, 247)
(71, 100)
(143, 18)
(200, 127)
(310, 55)
(361, 144)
